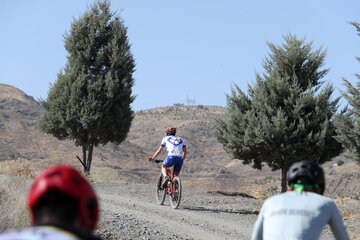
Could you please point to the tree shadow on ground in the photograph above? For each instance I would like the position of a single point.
(244, 212)
(232, 194)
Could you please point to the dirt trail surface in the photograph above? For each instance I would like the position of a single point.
(130, 211)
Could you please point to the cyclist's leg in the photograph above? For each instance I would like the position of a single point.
(178, 165)
(163, 171)
(166, 164)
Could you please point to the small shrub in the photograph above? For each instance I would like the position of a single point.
(20, 168)
(340, 162)
(260, 192)
(5, 116)
(24, 172)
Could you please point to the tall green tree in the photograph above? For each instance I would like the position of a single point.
(90, 102)
(287, 116)
(348, 122)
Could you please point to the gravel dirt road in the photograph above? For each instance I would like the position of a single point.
(130, 211)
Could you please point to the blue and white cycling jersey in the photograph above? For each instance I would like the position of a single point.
(174, 145)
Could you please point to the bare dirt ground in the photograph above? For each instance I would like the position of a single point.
(130, 211)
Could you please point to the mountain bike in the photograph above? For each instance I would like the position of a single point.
(173, 189)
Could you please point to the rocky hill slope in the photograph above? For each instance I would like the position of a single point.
(207, 167)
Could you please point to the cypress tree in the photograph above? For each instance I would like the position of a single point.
(90, 101)
(348, 121)
(287, 115)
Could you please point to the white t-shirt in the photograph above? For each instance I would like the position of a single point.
(174, 145)
(39, 233)
(302, 216)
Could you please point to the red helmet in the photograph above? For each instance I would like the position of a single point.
(70, 182)
(171, 131)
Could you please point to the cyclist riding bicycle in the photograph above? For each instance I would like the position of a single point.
(301, 213)
(176, 154)
(63, 205)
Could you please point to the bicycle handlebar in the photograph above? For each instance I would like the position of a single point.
(156, 160)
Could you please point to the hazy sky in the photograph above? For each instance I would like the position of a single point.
(189, 49)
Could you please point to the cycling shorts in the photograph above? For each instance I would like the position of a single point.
(174, 160)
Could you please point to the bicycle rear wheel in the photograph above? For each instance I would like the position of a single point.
(175, 197)
(160, 192)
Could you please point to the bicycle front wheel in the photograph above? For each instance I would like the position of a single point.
(175, 197)
(160, 192)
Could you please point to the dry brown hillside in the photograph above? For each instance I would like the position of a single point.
(24, 150)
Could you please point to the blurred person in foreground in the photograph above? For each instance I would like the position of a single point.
(301, 213)
(63, 205)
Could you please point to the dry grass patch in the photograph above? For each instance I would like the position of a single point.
(233, 163)
(260, 192)
(20, 168)
(103, 174)
(15, 179)
(13, 195)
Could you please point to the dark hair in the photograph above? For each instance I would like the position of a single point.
(63, 208)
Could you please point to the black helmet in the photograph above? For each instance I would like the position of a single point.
(306, 173)
(171, 131)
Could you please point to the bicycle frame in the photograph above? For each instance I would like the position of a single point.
(172, 175)
(174, 189)
(169, 173)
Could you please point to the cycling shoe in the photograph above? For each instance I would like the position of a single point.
(165, 182)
